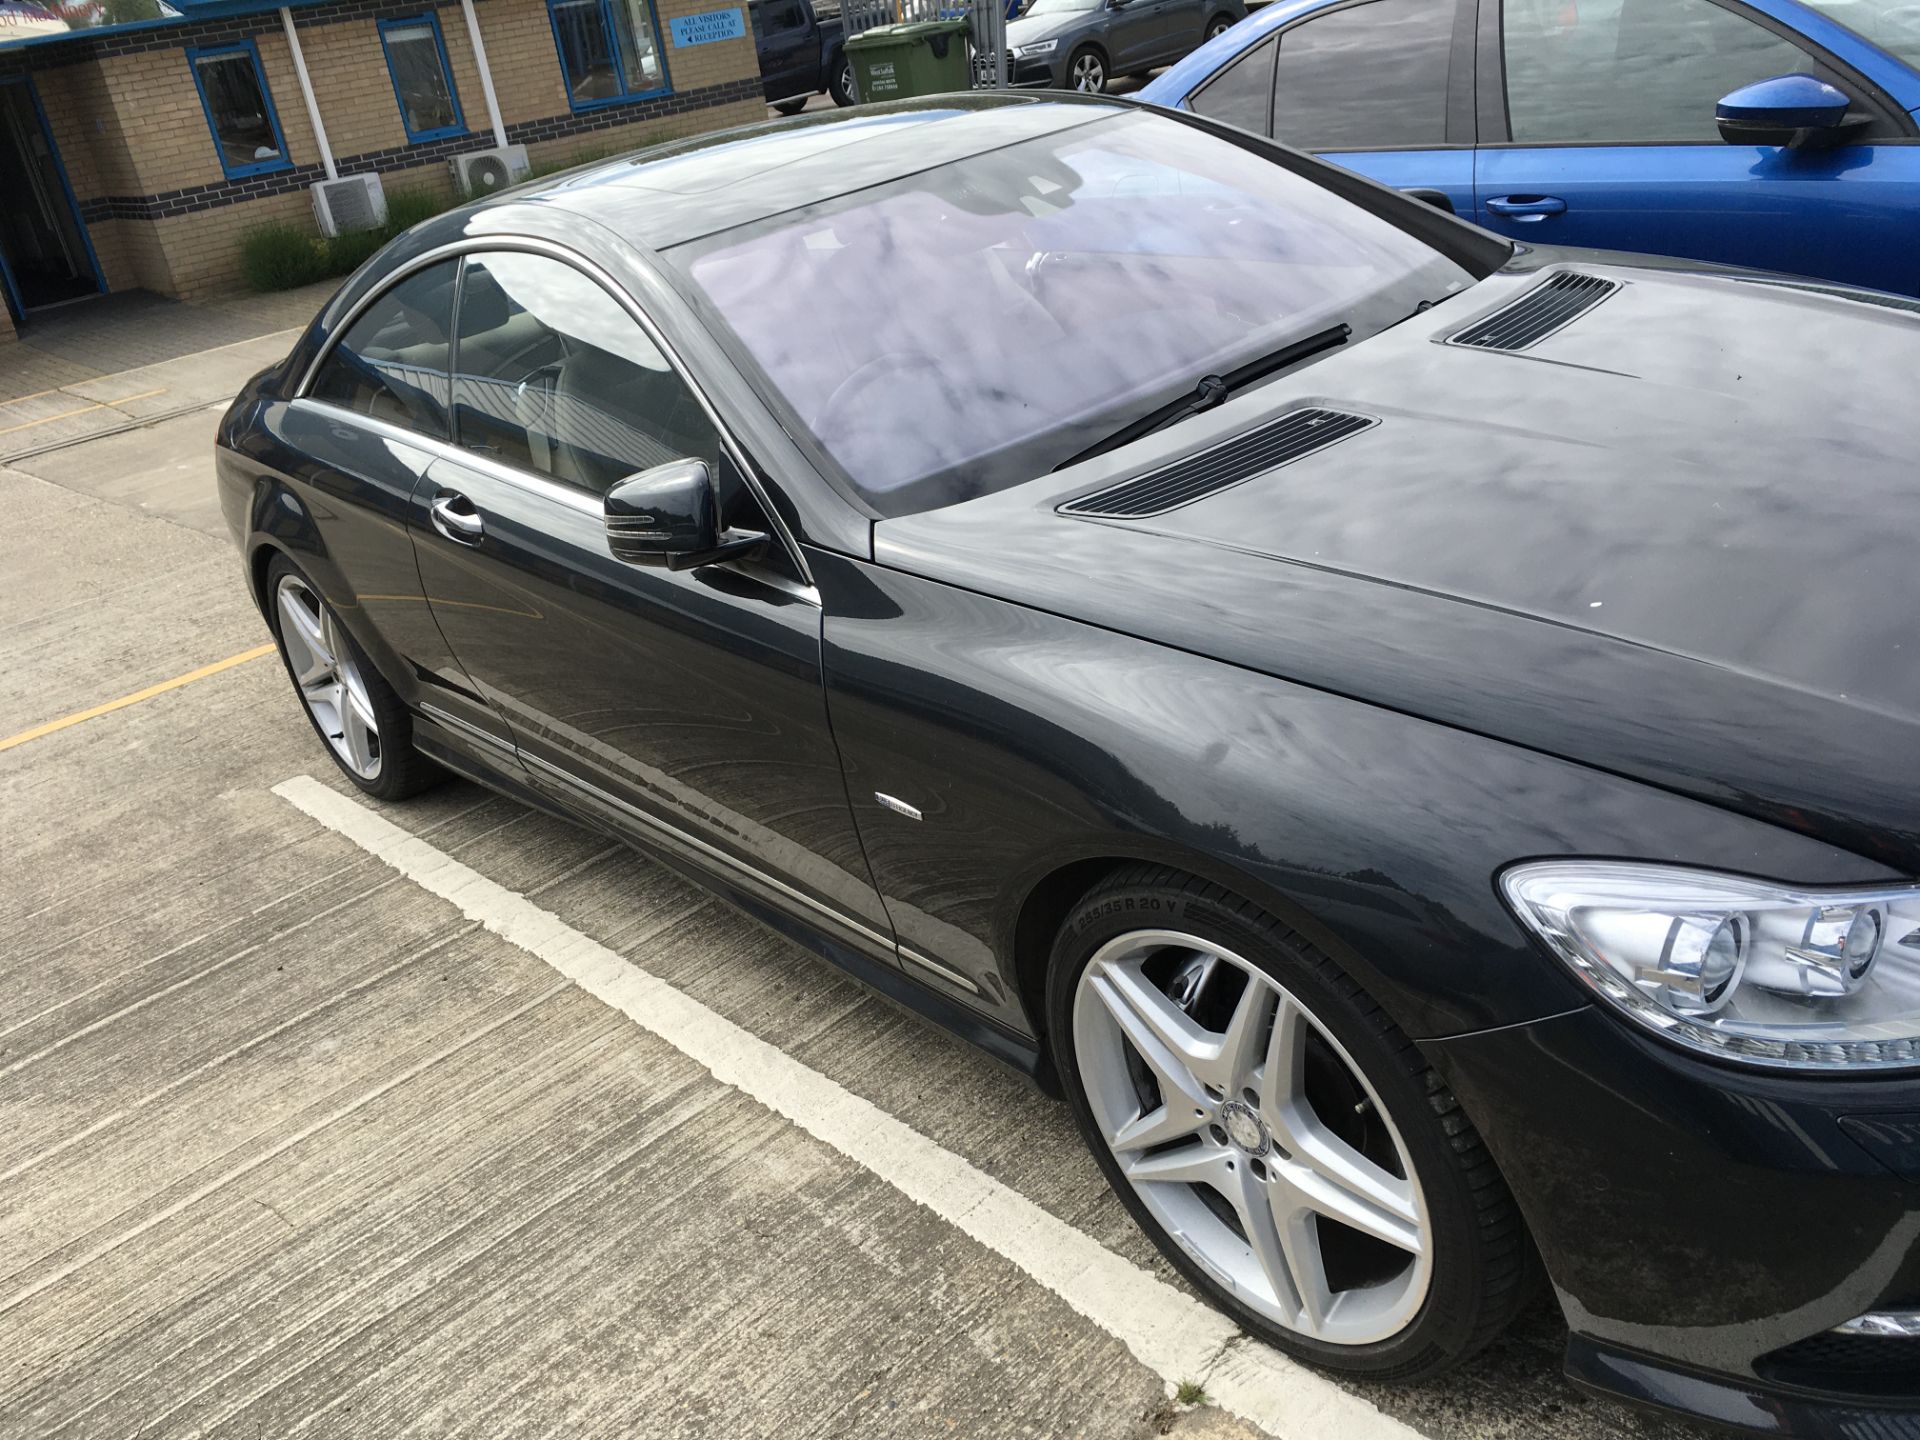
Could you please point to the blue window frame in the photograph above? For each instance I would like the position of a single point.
(422, 77)
(610, 51)
(239, 107)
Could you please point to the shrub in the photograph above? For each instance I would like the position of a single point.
(346, 253)
(407, 208)
(281, 257)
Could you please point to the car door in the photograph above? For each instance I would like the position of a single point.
(1598, 129)
(1383, 87)
(1136, 34)
(789, 63)
(370, 421)
(686, 708)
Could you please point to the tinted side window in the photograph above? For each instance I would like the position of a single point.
(553, 376)
(1242, 93)
(1622, 71)
(1370, 78)
(392, 363)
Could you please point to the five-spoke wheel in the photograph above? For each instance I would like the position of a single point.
(1250, 1134)
(353, 709)
(1274, 1134)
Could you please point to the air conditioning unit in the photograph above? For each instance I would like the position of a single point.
(481, 172)
(353, 202)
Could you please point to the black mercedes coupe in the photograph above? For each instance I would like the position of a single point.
(1416, 738)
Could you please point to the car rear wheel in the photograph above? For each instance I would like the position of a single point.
(365, 726)
(1219, 25)
(840, 85)
(1276, 1136)
(790, 107)
(1087, 71)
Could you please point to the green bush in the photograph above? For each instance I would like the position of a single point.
(407, 208)
(281, 257)
(348, 252)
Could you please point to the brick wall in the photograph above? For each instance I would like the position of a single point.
(161, 212)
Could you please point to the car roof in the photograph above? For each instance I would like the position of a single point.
(678, 192)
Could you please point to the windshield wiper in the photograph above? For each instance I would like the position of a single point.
(1212, 390)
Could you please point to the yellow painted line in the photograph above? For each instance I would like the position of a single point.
(83, 410)
(134, 699)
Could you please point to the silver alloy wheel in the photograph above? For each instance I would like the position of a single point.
(327, 677)
(1230, 1155)
(1088, 74)
(1219, 27)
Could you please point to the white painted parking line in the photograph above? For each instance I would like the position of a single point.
(1170, 1332)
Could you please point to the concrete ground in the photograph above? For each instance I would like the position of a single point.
(292, 1145)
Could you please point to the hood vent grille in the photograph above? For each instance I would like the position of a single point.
(1544, 310)
(1279, 442)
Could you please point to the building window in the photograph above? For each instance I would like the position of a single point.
(422, 78)
(609, 50)
(233, 91)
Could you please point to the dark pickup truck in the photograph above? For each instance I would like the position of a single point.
(801, 54)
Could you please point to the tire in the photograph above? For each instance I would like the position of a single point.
(1219, 25)
(840, 78)
(356, 714)
(1365, 1128)
(791, 106)
(1087, 71)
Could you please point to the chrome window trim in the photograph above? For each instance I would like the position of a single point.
(473, 245)
(714, 852)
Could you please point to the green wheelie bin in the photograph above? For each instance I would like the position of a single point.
(920, 57)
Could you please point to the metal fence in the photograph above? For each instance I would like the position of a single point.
(986, 20)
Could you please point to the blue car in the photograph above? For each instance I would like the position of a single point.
(1776, 134)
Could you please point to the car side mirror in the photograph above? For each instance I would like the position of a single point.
(1786, 110)
(670, 515)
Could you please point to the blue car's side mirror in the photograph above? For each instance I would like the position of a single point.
(1785, 110)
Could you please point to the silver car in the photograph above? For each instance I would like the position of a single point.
(1080, 44)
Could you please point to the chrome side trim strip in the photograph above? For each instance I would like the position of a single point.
(713, 852)
(618, 293)
(952, 977)
(467, 728)
(898, 806)
(1884, 1325)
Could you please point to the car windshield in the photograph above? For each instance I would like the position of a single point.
(956, 331)
(1893, 25)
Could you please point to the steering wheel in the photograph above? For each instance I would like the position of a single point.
(890, 366)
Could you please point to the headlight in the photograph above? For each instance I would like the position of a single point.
(1808, 979)
(1039, 47)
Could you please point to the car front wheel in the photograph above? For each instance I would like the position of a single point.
(356, 713)
(1276, 1136)
(1219, 25)
(840, 86)
(1087, 71)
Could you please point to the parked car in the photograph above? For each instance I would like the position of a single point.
(801, 54)
(1081, 44)
(1624, 124)
(1414, 736)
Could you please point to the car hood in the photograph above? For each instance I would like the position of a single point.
(1680, 540)
(1030, 28)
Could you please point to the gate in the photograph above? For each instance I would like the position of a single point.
(986, 19)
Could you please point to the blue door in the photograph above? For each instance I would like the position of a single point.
(1377, 86)
(1597, 129)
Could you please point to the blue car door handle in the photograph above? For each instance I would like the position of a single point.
(1527, 207)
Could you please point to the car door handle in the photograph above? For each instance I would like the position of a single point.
(454, 517)
(1532, 208)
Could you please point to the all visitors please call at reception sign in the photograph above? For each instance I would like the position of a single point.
(706, 27)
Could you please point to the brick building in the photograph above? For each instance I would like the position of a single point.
(136, 153)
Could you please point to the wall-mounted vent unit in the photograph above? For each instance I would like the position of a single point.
(481, 172)
(1544, 310)
(1280, 442)
(353, 202)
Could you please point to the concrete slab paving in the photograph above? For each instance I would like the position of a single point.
(289, 1146)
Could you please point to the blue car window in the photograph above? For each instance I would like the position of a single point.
(1370, 78)
(1893, 25)
(1242, 94)
(1632, 71)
